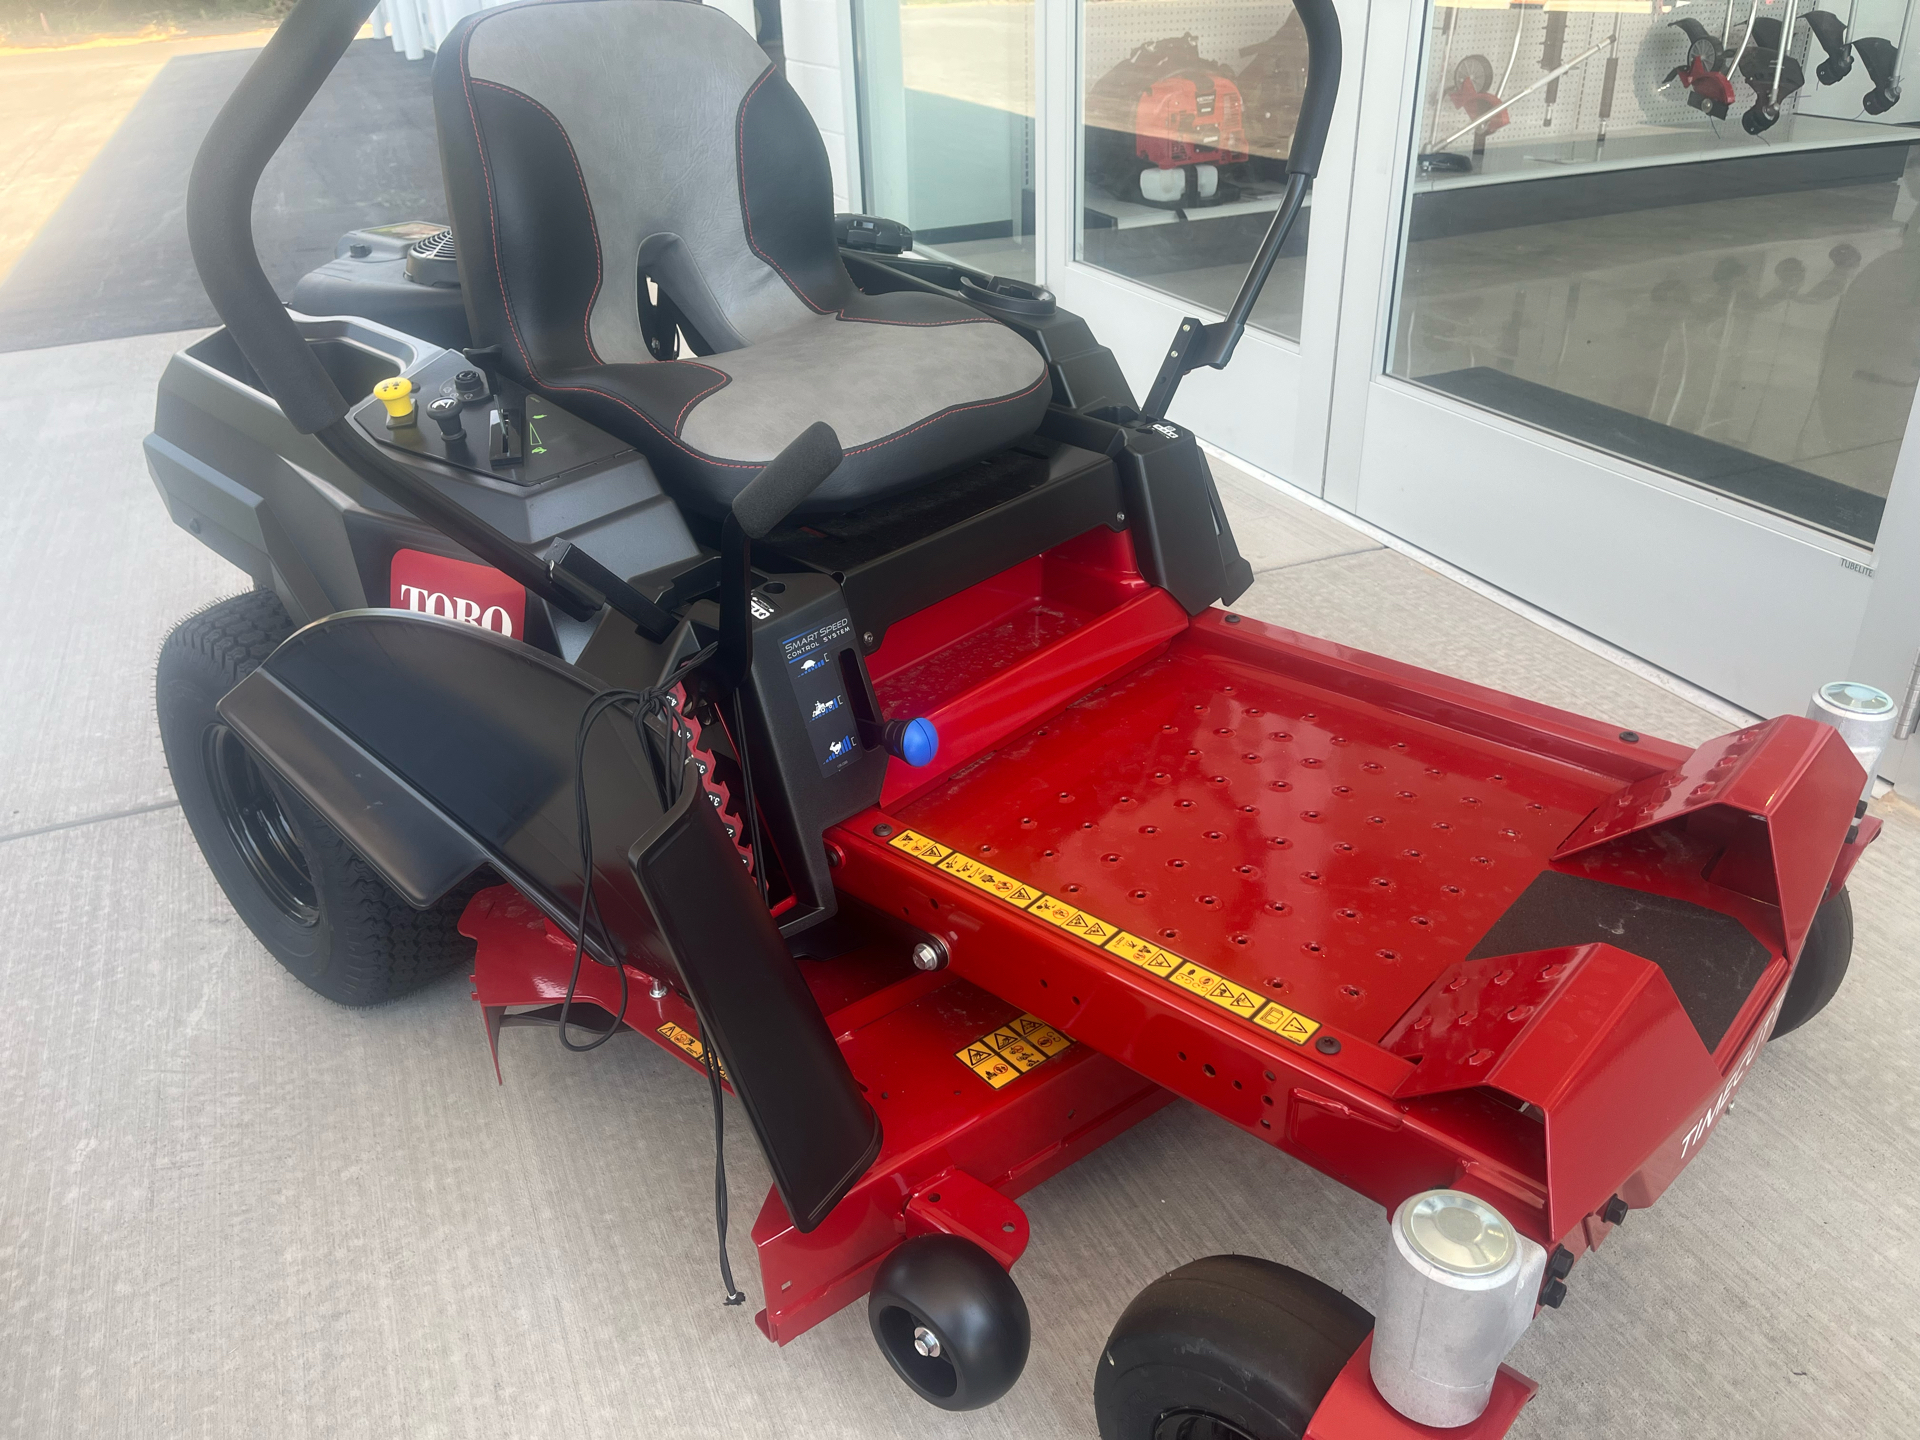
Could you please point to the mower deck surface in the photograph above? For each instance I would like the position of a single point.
(1320, 852)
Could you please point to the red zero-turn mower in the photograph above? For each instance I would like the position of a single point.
(808, 659)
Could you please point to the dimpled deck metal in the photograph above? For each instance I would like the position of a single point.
(1321, 851)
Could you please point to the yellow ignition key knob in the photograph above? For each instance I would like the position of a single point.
(397, 395)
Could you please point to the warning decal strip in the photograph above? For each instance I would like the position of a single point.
(1004, 1054)
(1237, 999)
(687, 1041)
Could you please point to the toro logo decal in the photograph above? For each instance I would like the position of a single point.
(457, 590)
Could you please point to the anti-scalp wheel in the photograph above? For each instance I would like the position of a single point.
(1228, 1348)
(950, 1321)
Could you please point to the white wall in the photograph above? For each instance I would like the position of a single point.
(819, 43)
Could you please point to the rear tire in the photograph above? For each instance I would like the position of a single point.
(1228, 1348)
(1823, 964)
(322, 911)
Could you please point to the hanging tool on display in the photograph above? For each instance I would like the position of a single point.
(1548, 78)
(1771, 39)
(1607, 82)
(1831, 32)
(1883, 61)
(1706, 70)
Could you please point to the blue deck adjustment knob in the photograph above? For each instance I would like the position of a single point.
(914, 741)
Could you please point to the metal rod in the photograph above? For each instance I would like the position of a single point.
(1910, 705)
(1579, 59)
(1746, 39)
(1446, 66)
(1263, 260)
(1518, 30)
(1900, 50)
(1613, 68)
(1780, 57)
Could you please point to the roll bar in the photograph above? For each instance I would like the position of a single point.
(251, 126)
(1196, 344)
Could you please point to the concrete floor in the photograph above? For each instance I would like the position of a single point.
(229, 1208)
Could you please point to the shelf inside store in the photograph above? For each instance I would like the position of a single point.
(1648, 147)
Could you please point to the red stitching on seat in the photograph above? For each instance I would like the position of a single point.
(680, 420)
(593, 225)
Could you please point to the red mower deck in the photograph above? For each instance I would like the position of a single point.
(1222, 860)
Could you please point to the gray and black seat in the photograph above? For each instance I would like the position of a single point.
(592, 145)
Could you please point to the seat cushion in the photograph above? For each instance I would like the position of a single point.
(913, 384)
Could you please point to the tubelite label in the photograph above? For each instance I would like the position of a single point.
(997, 1065)
(1009, 1051)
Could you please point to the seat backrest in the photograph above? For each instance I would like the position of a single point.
(587, 143)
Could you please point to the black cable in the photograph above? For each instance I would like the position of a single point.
(735, 1296)
(669, 771)
(667, 757)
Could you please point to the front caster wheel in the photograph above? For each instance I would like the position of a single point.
(950, 1321)
(1227, 1348)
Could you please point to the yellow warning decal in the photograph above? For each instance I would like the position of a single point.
(920, 847)
(1145, 954)
(1040, 1035)
(1004, 1054)
(1023, 1055)
(1224, 993)
(989, 1064)
(1287, 1024)
(685, 1040)
(1075, 922)
(1009, 1052)
(990, 880)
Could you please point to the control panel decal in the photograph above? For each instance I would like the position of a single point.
(821, 690)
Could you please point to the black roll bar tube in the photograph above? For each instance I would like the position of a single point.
(250, 128)
(1196, 344)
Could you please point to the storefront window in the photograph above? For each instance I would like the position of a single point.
(947, 126)
(1187, 113)
(1674, 238)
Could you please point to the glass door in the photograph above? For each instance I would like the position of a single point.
(1633, 328)
(946, 91)
(1166, 126)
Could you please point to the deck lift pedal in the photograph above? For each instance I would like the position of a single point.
(952, 826)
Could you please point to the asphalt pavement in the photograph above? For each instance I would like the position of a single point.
(112, 260)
